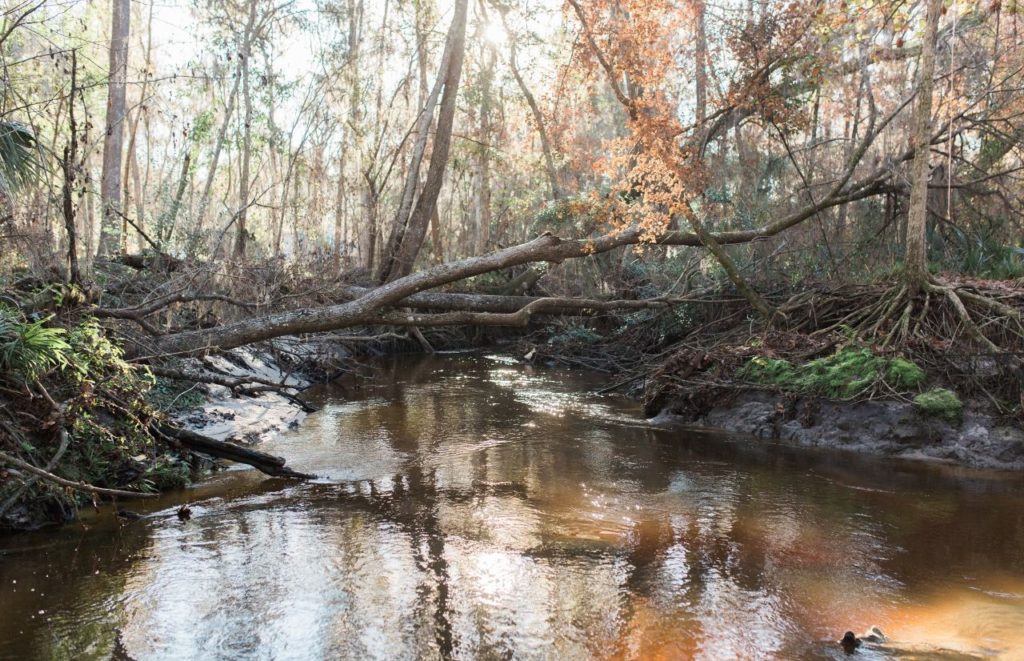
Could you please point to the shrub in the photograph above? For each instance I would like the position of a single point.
(30, 349)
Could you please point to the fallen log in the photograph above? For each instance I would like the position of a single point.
(261, 461)
(71, 484)
(243, 384)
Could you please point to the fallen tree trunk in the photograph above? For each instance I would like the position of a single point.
(366, 310)
(452, 301)
(261, 461)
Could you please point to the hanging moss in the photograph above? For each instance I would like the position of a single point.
(941, 403)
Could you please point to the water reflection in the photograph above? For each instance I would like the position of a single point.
(468, 508)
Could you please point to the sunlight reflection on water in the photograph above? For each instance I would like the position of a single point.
(471, 510)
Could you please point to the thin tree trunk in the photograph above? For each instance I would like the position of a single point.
(243, 181)
(113, 141)
(370, 211)
(69, 166)
(133, 161)
(482, 196)
(412, 179)
(916, 259)
(411, 243)
(538, 118)
(297, 207)
(339, 210)
(172, 215)
(701, 55)
(204, 198)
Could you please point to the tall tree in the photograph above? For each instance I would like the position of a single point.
(241, 214)
(916, 260)
(407, 244)
(701, 60)
(113, 141)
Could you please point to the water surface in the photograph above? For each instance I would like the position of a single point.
(470, 507)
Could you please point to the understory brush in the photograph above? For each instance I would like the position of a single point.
(72, 406)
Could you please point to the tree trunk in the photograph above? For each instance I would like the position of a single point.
(538, 118)
(916, 259)
(172, 214)
(412, 179)
(408, 248)
(370, 231)
(204, 199)
(113, 141)
(701, 56)
(69, 168)
(243, 180)
(482, 182)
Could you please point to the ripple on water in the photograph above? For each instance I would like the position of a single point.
(476, 508)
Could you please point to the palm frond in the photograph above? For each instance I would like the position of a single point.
(20, 161)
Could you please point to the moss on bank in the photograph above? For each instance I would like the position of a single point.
(848, 373)
(941, 403)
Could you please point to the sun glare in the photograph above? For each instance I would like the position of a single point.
(495, 33)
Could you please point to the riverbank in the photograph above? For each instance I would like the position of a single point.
(813, 380)
(706, 363)
(873, 427)
(879, 427)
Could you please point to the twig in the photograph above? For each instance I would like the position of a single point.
(79, 486)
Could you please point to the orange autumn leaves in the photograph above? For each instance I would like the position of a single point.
(652, 171)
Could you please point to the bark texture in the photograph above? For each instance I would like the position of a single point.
(113, 139)
(916, 260)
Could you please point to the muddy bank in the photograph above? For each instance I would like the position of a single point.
(249, 419)
(879, 427)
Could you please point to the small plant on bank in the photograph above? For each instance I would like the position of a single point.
(941, 403)
(30, 349)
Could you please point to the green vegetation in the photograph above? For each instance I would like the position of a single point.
(174, 396)
(20, 160)
(846, 374)
(76, 379)
(574, 334)
(29, 349)
(941, 403)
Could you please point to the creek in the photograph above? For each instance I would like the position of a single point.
(467, 506)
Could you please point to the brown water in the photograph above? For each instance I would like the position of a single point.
(472, 508)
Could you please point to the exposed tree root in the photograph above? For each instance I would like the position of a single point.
(966, 332)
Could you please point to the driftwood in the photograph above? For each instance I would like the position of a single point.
(71, 484)
(242, 385)
(261, 461)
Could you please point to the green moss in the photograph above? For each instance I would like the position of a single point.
(941, 403)
(770, 371)
(846, 374)
(903, 373)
